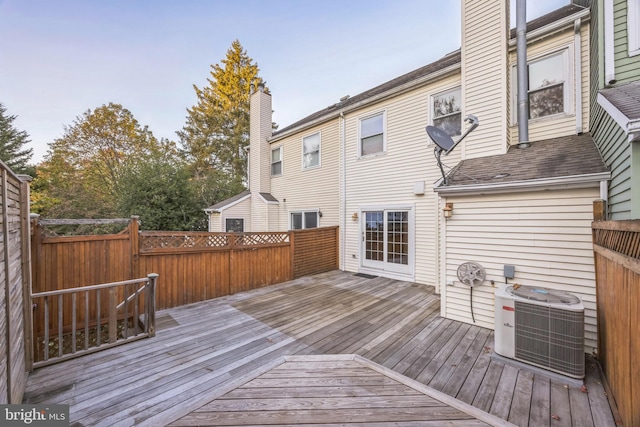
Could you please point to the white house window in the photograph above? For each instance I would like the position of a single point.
(633, 26)
(305, 219)
(234, 225)
(548, 86)
(446, 111)
(372, 138)
(276, 161)
(311, 151)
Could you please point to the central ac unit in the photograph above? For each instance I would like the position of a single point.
(541, 327)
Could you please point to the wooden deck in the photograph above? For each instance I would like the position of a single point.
(203, 350)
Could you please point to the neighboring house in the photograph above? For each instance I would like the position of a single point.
(367, 165)
(615, 101)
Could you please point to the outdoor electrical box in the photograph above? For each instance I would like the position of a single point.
(509, 271)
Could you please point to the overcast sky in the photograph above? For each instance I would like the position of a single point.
(59, 58)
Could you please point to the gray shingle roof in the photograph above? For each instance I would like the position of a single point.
(625, 98)
(228, 201)
(552, 158)
(453, 58)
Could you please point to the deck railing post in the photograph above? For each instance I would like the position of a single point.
(151, 304)
(113, 318)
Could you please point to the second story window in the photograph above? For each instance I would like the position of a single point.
(311, 151)
(549, 90)
(372, 134)
(446, 111)
(546, 86)
(276, 161)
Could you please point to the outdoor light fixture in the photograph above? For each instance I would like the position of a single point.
(354, 217)
(448, 210)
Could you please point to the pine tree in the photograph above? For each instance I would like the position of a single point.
(12, 142)
(217, 127)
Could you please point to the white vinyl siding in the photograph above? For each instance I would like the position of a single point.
(389, 180)
(485, 76)
(545, 235)
(217, 221)
(311, 189)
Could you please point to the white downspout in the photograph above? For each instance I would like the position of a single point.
(577, 27)
(609, 52)
(604, 195)
(343, 179)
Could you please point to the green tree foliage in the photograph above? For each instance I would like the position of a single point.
(79, 176)
(12, 142)
(217, 127)
(159, 190)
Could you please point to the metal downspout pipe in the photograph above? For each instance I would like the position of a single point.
(523, 74)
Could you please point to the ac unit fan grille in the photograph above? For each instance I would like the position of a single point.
(550, 337)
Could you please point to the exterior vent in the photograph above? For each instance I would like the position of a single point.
(541, 327)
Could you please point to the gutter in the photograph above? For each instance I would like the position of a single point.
(574, 181)
(557, 26)
(371, 100)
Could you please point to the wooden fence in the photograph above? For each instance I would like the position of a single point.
(617, 260)
(14, 285)
(193, 266)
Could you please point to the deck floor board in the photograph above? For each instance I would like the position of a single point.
(204, 350)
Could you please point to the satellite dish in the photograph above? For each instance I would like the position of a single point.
(441, 138)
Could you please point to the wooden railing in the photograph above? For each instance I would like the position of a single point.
(101, 316)
(616, 246)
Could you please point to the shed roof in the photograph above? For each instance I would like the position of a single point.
(566, 156)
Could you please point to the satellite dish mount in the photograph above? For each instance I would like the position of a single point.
(444, 142)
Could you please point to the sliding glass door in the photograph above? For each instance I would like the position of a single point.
(386, 240)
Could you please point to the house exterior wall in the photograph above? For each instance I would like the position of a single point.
(621, 156)
(627, 68)
(387, 180)
(561, 124)
(217, 220)
(545, 235)
(315, 188)
(485, 31)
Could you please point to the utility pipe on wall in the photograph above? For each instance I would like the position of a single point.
(523, 74)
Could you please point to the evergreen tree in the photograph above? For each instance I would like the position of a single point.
(12, 142)
(217, 127)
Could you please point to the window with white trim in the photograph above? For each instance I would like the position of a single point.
(446, 111)
(372, 134)
(311, 151)
(305, 219)
(633, 26)
(276, 161)
(234, 225)
(548, 86)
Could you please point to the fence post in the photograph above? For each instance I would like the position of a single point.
(599, 210)
(25, 237)
(134, 228)
(292, 248)
(151, 304)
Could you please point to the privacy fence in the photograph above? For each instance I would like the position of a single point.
(192, 266)
(14, 285)
(617, 260)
